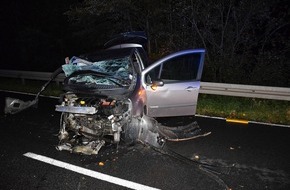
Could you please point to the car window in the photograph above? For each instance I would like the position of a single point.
(153, 74)
(181, 68)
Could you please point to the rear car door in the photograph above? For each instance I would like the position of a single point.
(172, 84)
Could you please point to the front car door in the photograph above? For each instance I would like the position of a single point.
(178, 81)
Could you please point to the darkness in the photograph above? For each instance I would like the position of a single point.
(35, 35)
(38, 35)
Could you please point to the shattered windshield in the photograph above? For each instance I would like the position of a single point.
(106, 72)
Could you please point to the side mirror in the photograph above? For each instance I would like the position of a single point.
(157, 83)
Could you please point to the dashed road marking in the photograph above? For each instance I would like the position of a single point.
(90, 173)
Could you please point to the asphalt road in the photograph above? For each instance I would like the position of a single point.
(235, 155)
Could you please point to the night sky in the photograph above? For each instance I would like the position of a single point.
(37, 36)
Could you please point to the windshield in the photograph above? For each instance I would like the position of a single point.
(107, 72)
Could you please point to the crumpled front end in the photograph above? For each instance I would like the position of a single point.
(104, 104)
(88, 123)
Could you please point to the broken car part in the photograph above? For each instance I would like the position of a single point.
(13, 105)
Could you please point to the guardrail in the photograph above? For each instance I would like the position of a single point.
(30, 75)
(266, 92)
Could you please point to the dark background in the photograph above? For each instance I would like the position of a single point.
(247, 42)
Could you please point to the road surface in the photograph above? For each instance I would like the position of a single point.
(236, 156)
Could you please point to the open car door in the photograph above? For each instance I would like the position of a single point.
(172, 84)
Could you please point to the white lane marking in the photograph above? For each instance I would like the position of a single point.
(254, 122)
(90, 173)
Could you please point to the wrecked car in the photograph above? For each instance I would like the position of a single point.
(114, 96)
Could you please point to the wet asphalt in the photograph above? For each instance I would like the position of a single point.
(237, 156)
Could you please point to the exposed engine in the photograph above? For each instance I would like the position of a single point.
(88, 122)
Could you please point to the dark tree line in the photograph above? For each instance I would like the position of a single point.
(35, 35)
(246, 41)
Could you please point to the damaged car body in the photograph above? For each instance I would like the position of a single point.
(114, 96)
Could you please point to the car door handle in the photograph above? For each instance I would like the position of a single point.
(190, 88)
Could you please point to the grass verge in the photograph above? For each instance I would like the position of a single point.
(253, 109)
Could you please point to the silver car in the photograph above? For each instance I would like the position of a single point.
(114, 96)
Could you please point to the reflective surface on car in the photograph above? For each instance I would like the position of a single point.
(180, 74)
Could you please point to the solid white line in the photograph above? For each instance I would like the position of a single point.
(254, 122)
(211, 117)
(270, 124)
(90, 173)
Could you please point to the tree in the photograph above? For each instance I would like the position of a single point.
(242, 38)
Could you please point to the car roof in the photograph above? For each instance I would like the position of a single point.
(108, 54)
(136, 37)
